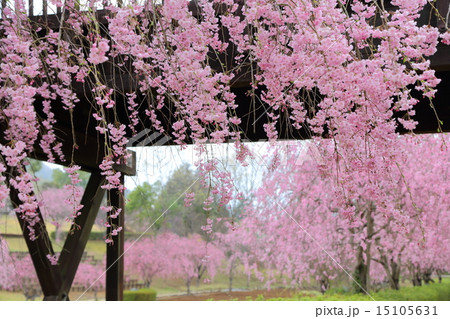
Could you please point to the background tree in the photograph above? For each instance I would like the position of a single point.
(181, 219)
(61, 178)
(55, 209)
(309, 233)
(91, 278)
(24, 278)
(141, 207)
(6, 266)
(236, 246)
(148, 257)
(191, 258)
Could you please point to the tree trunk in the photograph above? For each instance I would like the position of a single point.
(230, 276)
(361, 273)
(362, 270)
(230, 280)
(395, 276)
(415, 275)
(324, 285)
(200, 271)
(417, 280)
(188, 286)
(393, 273)
(427, 277)
(395, 283)
(370, 234)
(57, 234)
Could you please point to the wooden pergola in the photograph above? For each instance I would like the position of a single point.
(56, 281)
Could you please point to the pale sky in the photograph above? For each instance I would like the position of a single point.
(156, 163)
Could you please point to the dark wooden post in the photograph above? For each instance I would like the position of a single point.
(30, 8)
(114, 252)
(44, 9)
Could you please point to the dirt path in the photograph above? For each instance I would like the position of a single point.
(234, 295)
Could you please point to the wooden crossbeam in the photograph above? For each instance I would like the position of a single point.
(89, 151)
(77, 239)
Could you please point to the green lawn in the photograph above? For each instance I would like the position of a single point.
(10, 225)
(430, 292)
(17, 296)
(11, 296)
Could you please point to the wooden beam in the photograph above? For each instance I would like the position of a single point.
(88, 154)
(440, 61)
(49, 275)
(77, 239)
(114, 252)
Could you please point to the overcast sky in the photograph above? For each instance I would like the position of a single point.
(156, 163)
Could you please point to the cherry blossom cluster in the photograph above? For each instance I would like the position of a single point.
(297, 227)
(75, 192)
(343, 71)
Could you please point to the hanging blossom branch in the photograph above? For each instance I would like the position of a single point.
(342, 70)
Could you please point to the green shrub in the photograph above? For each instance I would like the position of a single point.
(146, 294)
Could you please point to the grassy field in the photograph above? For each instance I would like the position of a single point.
(430, 292)
(10, 225)
(17, 296)
(11, 296)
